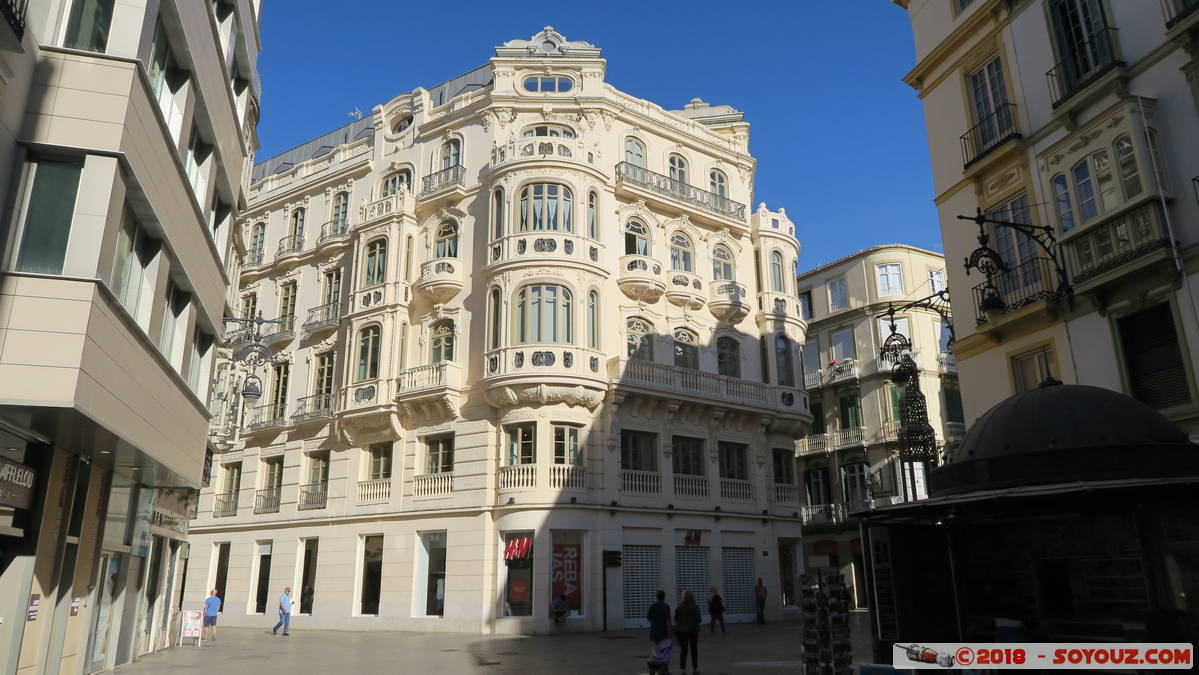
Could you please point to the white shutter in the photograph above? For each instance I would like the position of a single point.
(691, 574)
(737, 575)
(641, 570)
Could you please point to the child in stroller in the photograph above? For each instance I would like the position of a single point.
(659, 660)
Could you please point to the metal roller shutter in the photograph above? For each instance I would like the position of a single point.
(641, 569)
(691, 574)
(737, 574)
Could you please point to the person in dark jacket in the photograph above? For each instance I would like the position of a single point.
(686, 628)
(716, 610)
(659, 619)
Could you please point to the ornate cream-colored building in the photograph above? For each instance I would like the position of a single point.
(849, 462)
(526, 319)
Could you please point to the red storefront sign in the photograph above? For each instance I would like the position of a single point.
(566, 574)
(518, 590)
(518, 548)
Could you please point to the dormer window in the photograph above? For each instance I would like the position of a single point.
(552, 130)
(548, 85)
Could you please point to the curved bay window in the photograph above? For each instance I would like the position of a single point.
(641, 339)
(592, 215)
(776, 273)
(376, 263)
(451, 154)
(545, 206)
(494, 315)
(551, 130)
(728, 357)
(543, 314)
(680, 252)
(341, 209)
(678, 169)
(446, 244)
(636, 238)
(634, 152)
(497, 213)
(441, 342)
(393, 183)
(783, 361)
(686, 349)
(717, 183)
(368, 353)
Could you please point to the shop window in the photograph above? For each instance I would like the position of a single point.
(518, 582)
(372, 575)
(566, 570)
(262, 591)
(308, 576)
(433, 546)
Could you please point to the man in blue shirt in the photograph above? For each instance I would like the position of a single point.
(212, 607)
(659, 619)
(284, 612)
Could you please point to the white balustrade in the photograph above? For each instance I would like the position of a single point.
(811, 380)
(690, 486)
(737, 490)
(684, 380)
(640, 482)
(844, 438)
(786, 494)
(518, 476)
(568, 476)
(374, 491)
(433, 485)
(812, 444)
(423, 377)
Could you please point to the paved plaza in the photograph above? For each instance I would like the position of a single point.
(748, 649)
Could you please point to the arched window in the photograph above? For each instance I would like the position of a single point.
(548, 85)
(341, 209)
(402, 124)
(441, 342)
(1084, 190)
(641, 339)
(722, 263)
(728, 357)
(551, 130)
(368, 353)
(678, 169)
(297, 225)
(447, 240)
(593, 320)
(686, 349)
(636, 238)
(1061, 197)
(1126, 160)
(545, 206)
(497, 213)
(783, 361)
(717, 183)
(543, 314)
(680, 252)
(257, 241)
(403, 345)
(408, 259)
(451, 154)
(592, 215)
(634, 152)
(493, 340)
(376, 262)
(393, 183)
(776, 272)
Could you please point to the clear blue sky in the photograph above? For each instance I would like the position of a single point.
(839, 139)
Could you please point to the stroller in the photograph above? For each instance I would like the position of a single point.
(659, 660)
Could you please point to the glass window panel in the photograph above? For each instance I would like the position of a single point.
(48, 213)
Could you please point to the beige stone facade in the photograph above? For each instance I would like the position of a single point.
(1075, 116)
(526, 319)
(849, 461)
(126, 131)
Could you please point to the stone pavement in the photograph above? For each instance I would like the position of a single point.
(748, 649)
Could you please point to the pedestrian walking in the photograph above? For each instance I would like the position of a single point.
(760, 597)
(212, 607)
(659, 634)
(284, 612)
(716, 610)
(687, 619)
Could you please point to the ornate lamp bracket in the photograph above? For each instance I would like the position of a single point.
(988, 261)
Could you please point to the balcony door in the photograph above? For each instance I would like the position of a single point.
(331, 289)
(232, 478)
(318, 468)
(988, 99)
(853, 484)
(1082, 40)
(817, 484)
(851, 412)
(273, 474)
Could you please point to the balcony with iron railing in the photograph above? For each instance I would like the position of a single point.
(313, 407)
(1018, 287)
(1125, 241)
(1177, 11)
(284, 330)
(374, 491)
(266, 416)
(1082, 63)
(442, 181)
(254, 258)
(990, 133)
(267, 500)
(313, 496)
(323, 316)
(292, 244)
(335, 230)
(224, 505)
(678, 191)
(14, 16)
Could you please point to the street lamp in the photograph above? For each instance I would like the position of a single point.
(988, 261)
(252, 353)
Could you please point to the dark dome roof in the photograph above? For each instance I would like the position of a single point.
(1062, 433)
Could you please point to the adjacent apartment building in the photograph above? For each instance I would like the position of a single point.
(849, 462)
(527, 324)
(1077, 117)
(126, 138)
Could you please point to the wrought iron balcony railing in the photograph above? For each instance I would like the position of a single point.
(1019, 286)
(433, 183)
(1177, 10)
(291, 244)
(991, 132)
(312, 407)
(284, 330)
(665, 185)
(333, 230)
(313, 496)
(1082, 62)
(323, 316)
(225, 505)
(1116, 242)
(254, 258)
(264, 416)
(14, 13)
(267, 500)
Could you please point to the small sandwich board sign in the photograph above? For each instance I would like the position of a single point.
(190, 626)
